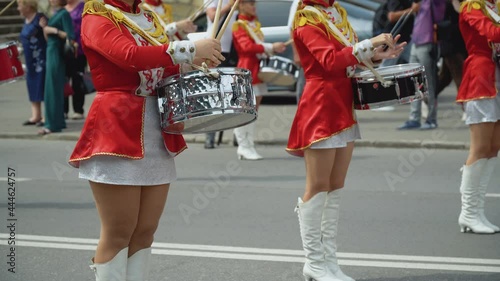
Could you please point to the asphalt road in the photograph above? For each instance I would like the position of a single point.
(232, 220)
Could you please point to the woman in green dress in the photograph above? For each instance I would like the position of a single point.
(57, 30)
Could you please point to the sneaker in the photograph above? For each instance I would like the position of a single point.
(77, 116)
(409, 125)
(429, 126)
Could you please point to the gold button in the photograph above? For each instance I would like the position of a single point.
(191, 49)
(372, 48)
(139, 92)
(365, 49)
(356, 53)
(172, 51)
(133, 32)
(183, 50)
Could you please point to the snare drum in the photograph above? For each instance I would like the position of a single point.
(195, 102)
(409, 83)
(11, 67)
(278, 71)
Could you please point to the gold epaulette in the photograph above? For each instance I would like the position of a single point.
(305, 17)
(473, 4)
(96, 7)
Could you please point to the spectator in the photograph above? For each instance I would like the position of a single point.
(35, 47)
(57, 30)
(226, 42)
(453, 50)
(425, 52)
(75, 65)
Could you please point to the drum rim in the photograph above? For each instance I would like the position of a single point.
(220, 70)
(413, 68)
(280, 58)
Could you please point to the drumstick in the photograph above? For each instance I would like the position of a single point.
(217, 18)
(399, 24)
(8, 6)
(288, 42)
(201, 8)
(228, 18)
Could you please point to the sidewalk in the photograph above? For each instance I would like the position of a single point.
(273, 124)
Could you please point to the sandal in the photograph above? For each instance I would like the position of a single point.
(44, 131)
(29, 122)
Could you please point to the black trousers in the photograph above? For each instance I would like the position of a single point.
(74, 71)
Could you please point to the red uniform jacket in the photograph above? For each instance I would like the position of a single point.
(479, 32)
(114, 124)
(326, 106)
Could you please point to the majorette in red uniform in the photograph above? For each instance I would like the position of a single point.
(325, 127)
(122, 150)
(123, 73)
(480, 26)
(326, 106)
(249, 43)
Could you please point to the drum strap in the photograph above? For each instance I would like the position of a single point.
(339, 34)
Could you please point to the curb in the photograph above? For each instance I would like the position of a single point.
(426, 144)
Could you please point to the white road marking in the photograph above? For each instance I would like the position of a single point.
(15, 179)
(276, 255)
(492, 194)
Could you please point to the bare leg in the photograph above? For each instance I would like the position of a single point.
(153, 199)
(340, 166)
(36, 111)
(118, 208)
(319, 164)
(258, 100)
(495, 141)
(481, 136)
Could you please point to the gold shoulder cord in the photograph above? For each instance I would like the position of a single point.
(94, 7)
(257, 31)
(303, 17)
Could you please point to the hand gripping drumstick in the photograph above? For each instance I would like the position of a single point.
(8, 6)
(228, 18)
(216, 20)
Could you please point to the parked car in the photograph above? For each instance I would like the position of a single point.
(273, 15)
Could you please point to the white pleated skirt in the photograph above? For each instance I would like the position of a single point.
(156, 168)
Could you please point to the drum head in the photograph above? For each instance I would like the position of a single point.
(400, 70)
(276, 77)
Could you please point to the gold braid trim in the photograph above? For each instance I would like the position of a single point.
(303, 17)
(478, 5)
(96, 7)
(246, 26)
(167, 17)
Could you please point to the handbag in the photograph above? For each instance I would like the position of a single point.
(70, 48)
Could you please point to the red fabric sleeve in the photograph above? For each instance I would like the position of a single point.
(323, 48)
(102, 36)
(483, 24)
(245, 43)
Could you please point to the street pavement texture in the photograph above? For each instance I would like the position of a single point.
(378, 128)
(231, 220)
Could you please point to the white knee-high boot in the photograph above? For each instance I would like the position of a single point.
(246, 147)
(113, 270)
(469, 216)
(483, 187)
(310, 215)
(138, 265)
(329, 230)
